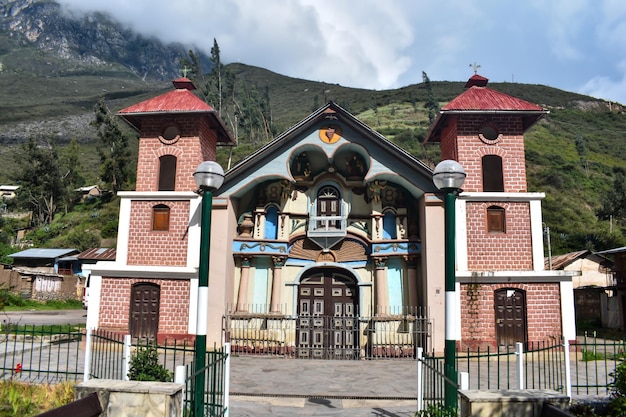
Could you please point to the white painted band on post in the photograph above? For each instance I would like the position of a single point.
(450, 315)
(203, 311)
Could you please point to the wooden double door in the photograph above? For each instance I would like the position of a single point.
(328, 317)
(144, 310)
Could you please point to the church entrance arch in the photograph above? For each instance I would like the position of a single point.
(328, 313)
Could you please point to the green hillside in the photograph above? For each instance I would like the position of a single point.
(573, 154)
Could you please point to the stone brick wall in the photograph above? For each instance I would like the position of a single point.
(465, 142)
(478, 322)
(149, 247)
(197, 143)
(499, 251)
(173, 309)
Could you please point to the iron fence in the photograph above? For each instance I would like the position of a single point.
(110, 353)
(389, 336)
(215, 401)
(41, 353)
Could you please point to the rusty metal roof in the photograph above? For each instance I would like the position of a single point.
(180, 100)
(485, 99)
(480, 99)
(98, 254)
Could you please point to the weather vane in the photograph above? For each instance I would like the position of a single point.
(475, 66)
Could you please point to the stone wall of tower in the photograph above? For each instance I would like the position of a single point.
(197, 143)
(478, 321)
(461, 141)
(173, 311)
(511, 251)
(158, 247)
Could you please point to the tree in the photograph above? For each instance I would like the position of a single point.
(72, 177)
(40, 180)
(115, 155)
(431, 104)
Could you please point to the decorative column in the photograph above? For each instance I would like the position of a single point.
(277, 282)
(411, 265)
(381, 284)
(242, 297)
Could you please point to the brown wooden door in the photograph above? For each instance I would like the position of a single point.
(327, 325)
(510, 309)
(144, 310)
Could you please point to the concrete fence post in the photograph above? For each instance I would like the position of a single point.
(180, 377)
(519, 353)
(87, 368)
(126, 357)
(227, 379)
(420, 379)
(568, 372)
(463, 380)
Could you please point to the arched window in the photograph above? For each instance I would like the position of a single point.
(167, 173)
(390, 231)
(271, 223)
(493, 179)
(496, 219)
(160, 217)
(329, 205)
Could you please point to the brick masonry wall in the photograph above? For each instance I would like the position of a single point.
(478, 321)
(197, 143)
(162, 248)
(463, 140)
(173, 310)
(499, 251)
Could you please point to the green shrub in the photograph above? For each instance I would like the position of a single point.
(145, 366)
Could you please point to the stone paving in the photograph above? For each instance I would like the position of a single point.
(292, 387)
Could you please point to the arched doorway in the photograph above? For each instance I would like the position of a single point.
(328, 311)
(144, 310)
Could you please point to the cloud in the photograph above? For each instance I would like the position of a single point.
(575, 45)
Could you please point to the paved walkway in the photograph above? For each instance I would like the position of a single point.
(294, 387)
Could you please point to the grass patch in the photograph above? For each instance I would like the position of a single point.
(41, 306)
(23, 399)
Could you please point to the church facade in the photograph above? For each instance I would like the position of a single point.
(328, 241)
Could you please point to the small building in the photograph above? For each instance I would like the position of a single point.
(8, 191)
(89, 191)
(47, 274)
(593, 281)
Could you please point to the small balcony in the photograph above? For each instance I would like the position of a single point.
(327, 226)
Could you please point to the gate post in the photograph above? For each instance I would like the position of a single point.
(519, 352)
(87, 369)
(126, 358)
(420, 379)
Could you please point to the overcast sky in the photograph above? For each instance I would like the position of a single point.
(574, 45)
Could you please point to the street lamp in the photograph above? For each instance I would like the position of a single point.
(449, 176)
(209, 176)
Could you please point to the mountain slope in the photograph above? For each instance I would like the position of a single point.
(54, 67)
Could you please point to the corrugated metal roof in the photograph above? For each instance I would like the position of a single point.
(561, 261)
(177, 101)
(43, 253)
(485, 99)
(98, 254)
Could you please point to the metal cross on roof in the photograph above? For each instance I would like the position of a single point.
(475, 67)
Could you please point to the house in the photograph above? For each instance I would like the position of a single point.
(619, 271)
(594, 295)
(330, 235)
(89, 191)
(7, 192)
(88, 258)
(47, 274)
